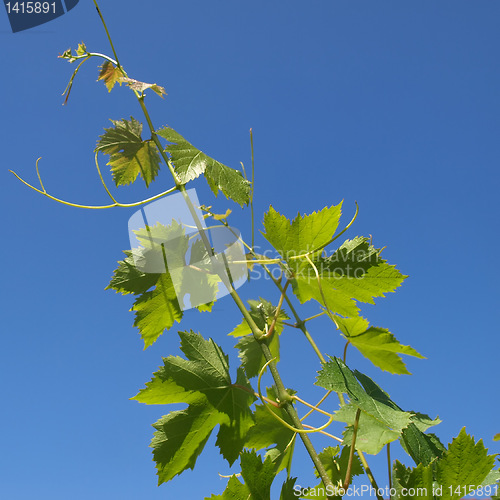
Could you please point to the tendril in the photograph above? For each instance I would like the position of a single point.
(277, 417)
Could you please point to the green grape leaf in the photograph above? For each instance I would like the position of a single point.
(354, 273)
(381, 348)
(287, 490)
(207, 371)
(268, 431)
(234, 491)
(203, 382)
(190, 163)
(128, 279)
(166, 247)
(262, 312)
(414, 483)
(336, 463)
(351, 327)
(157, 310)
(180, 437)
(129, 154)
(423, 448)
(162, 390)
(252, 358)
(258, 475)
(232, 436)
(302, 235)
(373, 434)
(352, 259)
(492, 478)
(110, 74)
(379, 422)
(162, 295)
(464, 464)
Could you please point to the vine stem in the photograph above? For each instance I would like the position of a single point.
(292, 413)
(369, 473)
(389, 464)
(347, 481)
(107, 33)
(253, 189)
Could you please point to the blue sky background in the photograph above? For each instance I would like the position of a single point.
(393, 104)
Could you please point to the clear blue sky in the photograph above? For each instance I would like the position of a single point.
(393, 104)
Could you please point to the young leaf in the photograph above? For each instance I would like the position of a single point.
(142, 86)
(180, 437)
(258, 475)
(81, 49)
(110, 74)
(262, 312)
(465, 464)
(336, 463)
(302, 235)
(252, 358)
(190, 163)
(130, 155)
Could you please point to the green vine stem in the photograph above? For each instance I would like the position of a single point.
(347, 481)
(389, 471)
(252, 191)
